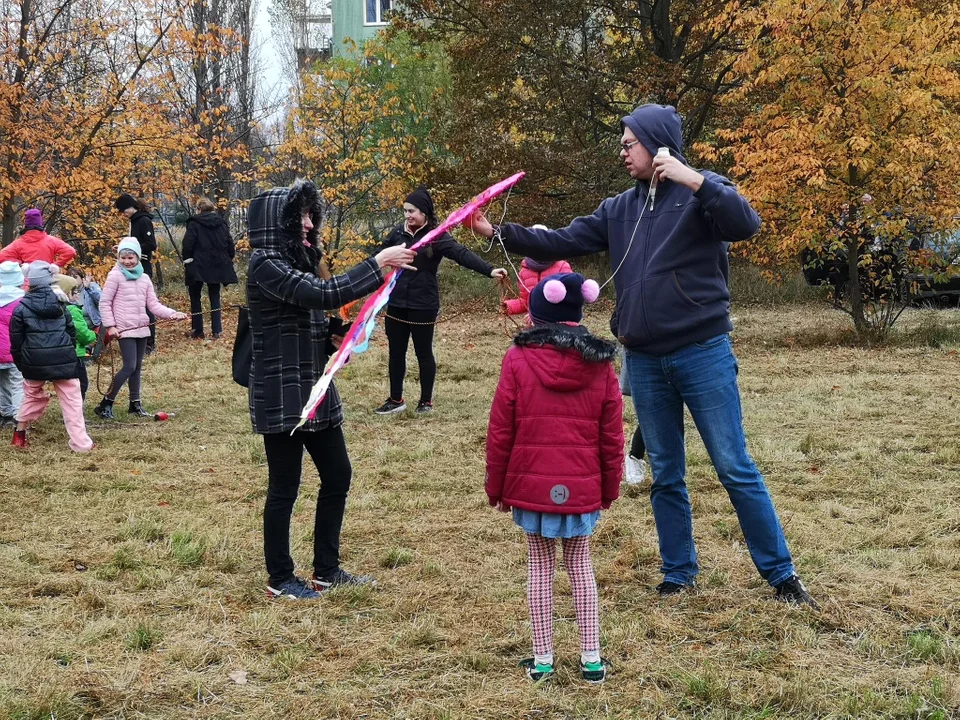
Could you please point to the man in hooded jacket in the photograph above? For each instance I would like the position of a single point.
(668, 238)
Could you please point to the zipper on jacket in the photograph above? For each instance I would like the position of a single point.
(643, 274)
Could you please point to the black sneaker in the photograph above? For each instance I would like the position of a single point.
(424, 406)
(391, 406)
(340, 577)
(292, 589)
(536, 673)
(594, 673)
(670, 588)
(793, 592)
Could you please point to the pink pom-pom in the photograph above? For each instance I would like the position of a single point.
(554, 291)
(590, 290)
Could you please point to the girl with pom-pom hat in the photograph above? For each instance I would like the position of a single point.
(555, 456)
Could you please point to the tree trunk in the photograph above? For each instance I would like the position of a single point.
(853, 285)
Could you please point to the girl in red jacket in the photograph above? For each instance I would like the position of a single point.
(531, 273)
(555, 456)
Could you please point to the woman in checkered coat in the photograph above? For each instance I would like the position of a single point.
(286, 297)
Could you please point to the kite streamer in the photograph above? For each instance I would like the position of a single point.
(358, 339)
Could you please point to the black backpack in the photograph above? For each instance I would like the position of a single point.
(243, 350)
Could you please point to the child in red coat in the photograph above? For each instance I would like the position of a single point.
(555, 456)
(531, 273)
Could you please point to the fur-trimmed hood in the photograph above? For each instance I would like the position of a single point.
(568, 337)
(274, 223)
(564, 357)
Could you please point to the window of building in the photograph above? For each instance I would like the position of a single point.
(378, 11)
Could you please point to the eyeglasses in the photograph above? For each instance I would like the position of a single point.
(625, 146)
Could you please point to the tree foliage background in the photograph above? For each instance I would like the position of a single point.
(809, 105)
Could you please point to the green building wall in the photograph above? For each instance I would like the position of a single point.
(349, 21)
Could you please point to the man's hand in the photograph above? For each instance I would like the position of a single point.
(479, 224)
(670, 168)
(498, 274)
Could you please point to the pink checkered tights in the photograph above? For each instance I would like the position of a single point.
(576, 559)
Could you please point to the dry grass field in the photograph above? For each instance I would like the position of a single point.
(131, 579)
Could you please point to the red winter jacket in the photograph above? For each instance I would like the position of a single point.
(555, 439)
(37, 245)
(528, 281)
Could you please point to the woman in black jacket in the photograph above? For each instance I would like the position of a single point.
(415, 301)
(208, 252)
(286, 297)
(141, 227)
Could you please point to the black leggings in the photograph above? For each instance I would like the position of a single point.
(132, 350)
(196, 308)
(637, 448)
(398, 337)
(328, 449)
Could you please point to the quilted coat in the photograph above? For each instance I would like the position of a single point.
(124, 304)
(42, 337)
(555, 438)
(528, 281)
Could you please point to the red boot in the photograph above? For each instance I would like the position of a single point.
(20, 439)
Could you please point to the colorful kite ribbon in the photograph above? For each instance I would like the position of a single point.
(358, 339)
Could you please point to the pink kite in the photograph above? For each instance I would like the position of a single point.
(358, 339)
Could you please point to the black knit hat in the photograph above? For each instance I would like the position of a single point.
(125, 201)
(421, 200)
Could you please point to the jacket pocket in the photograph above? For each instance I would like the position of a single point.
(668, 308)
(690, 300)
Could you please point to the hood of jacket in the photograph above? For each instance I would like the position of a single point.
(33, 236)
(43, 302)
(210, 219)
(140, 214)
(657, 126)
(275, 225)
(560, 354)
(274, 216)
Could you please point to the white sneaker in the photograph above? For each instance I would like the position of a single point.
(636, 470)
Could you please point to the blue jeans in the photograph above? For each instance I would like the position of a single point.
(702, 376)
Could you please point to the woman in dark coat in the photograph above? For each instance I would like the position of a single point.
(415, 301)
(208, 252)
(141, 227)
(290, 333)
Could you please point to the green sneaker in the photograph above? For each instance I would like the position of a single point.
(536, 672)
(594, 672)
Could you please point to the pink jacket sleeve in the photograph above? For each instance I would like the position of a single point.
(515, 306)
(106, 302)
(63, 253)
(155, 306)
(611, 440)
(501, 431)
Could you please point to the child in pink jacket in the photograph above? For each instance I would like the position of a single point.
(531, 273)
(11, 381)
(127, 295)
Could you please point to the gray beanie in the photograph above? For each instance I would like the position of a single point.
(41, 273)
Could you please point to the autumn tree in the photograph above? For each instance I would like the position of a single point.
(542, 86)
(73, 114)
(851, 137)
(350, 133)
